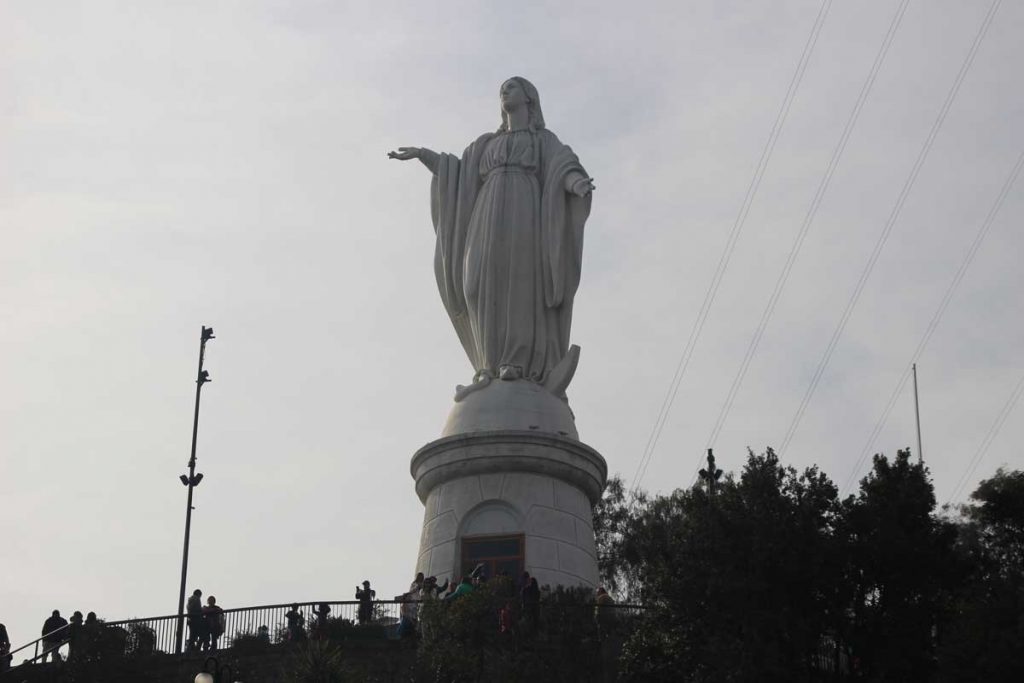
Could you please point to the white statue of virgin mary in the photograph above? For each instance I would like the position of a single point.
(508, 215)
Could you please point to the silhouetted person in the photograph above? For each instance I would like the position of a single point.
(5, 649)
(75, 635)
(604, 611)
(263, 634)
(417, 584)
(214, 617)
(531, 603)
(521, 585)
(54, 633)
(465, 586)
(431, 589)
(365, 598)
(322, 614)
(407, 615)
(197, 631)
(296, 624)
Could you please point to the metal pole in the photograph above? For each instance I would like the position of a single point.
(201, 378)
(917, 416)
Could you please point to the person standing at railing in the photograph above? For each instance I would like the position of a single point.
(197, 632)
(431, 589)
(214, 616)
(296, 623)
(54, 634)
(604, 611)
(465, 586)
(75, 636)
(322, 613)
(365, 598)
(531, 604)
(5, 649)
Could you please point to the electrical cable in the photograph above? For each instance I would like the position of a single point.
(937, 316)
(723, 261)
(990, 436)
(812, 211)
(888, 227)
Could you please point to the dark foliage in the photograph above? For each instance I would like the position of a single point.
(776, 578)
(460, 640)
(985, 634)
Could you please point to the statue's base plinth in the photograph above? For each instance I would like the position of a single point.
(511, 405)
(513, 500)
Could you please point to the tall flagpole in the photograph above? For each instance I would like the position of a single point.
(917, 416)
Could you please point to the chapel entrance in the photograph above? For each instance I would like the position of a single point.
(498, 554)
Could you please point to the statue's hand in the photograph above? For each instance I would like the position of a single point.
(583, 186)
(405, 153)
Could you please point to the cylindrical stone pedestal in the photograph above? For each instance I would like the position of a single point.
(512, 499)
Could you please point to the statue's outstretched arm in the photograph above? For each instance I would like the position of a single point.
(427, 157)
(579, 184)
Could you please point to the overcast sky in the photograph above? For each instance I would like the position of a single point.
(169, 165)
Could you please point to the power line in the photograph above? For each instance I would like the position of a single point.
(937, 316)
(990, 436)
(723, 261)
(889, 224)
(812, 211)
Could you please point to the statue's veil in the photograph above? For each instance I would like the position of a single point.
(536, 117)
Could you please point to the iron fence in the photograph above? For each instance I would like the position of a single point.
(269, 623)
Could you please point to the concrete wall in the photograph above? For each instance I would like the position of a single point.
(555, 517)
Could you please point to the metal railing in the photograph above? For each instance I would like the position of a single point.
(154, 635)
(157, 635)
(39, 650)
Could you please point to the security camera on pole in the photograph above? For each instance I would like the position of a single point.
(191, 480)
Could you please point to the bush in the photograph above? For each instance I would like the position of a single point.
(249, 643)
(460, 639)
(340, 629)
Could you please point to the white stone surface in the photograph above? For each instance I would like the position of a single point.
(490, 485)
(551, 523)
(490, 453)
(491, 517)
(570, 498)
(515, 405)
(553, 514)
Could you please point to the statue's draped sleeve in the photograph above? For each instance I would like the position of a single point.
(563, 215)
(453, 193)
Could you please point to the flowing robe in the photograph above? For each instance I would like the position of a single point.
(508, 251)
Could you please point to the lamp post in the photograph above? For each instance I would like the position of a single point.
(191, 480)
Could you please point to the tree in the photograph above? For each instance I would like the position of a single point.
(902, 570)
(613, 516)
(983, 640)
(741, 580)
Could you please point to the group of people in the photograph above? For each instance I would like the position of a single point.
(295, 622)
(295, 629)
(205, 623)
(426, 588)
(57, 631)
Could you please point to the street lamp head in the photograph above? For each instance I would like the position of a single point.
(184, 479)
(207, 333)
(204, 377)
(196, 479)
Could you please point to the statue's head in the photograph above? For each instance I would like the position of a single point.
(518, 92)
